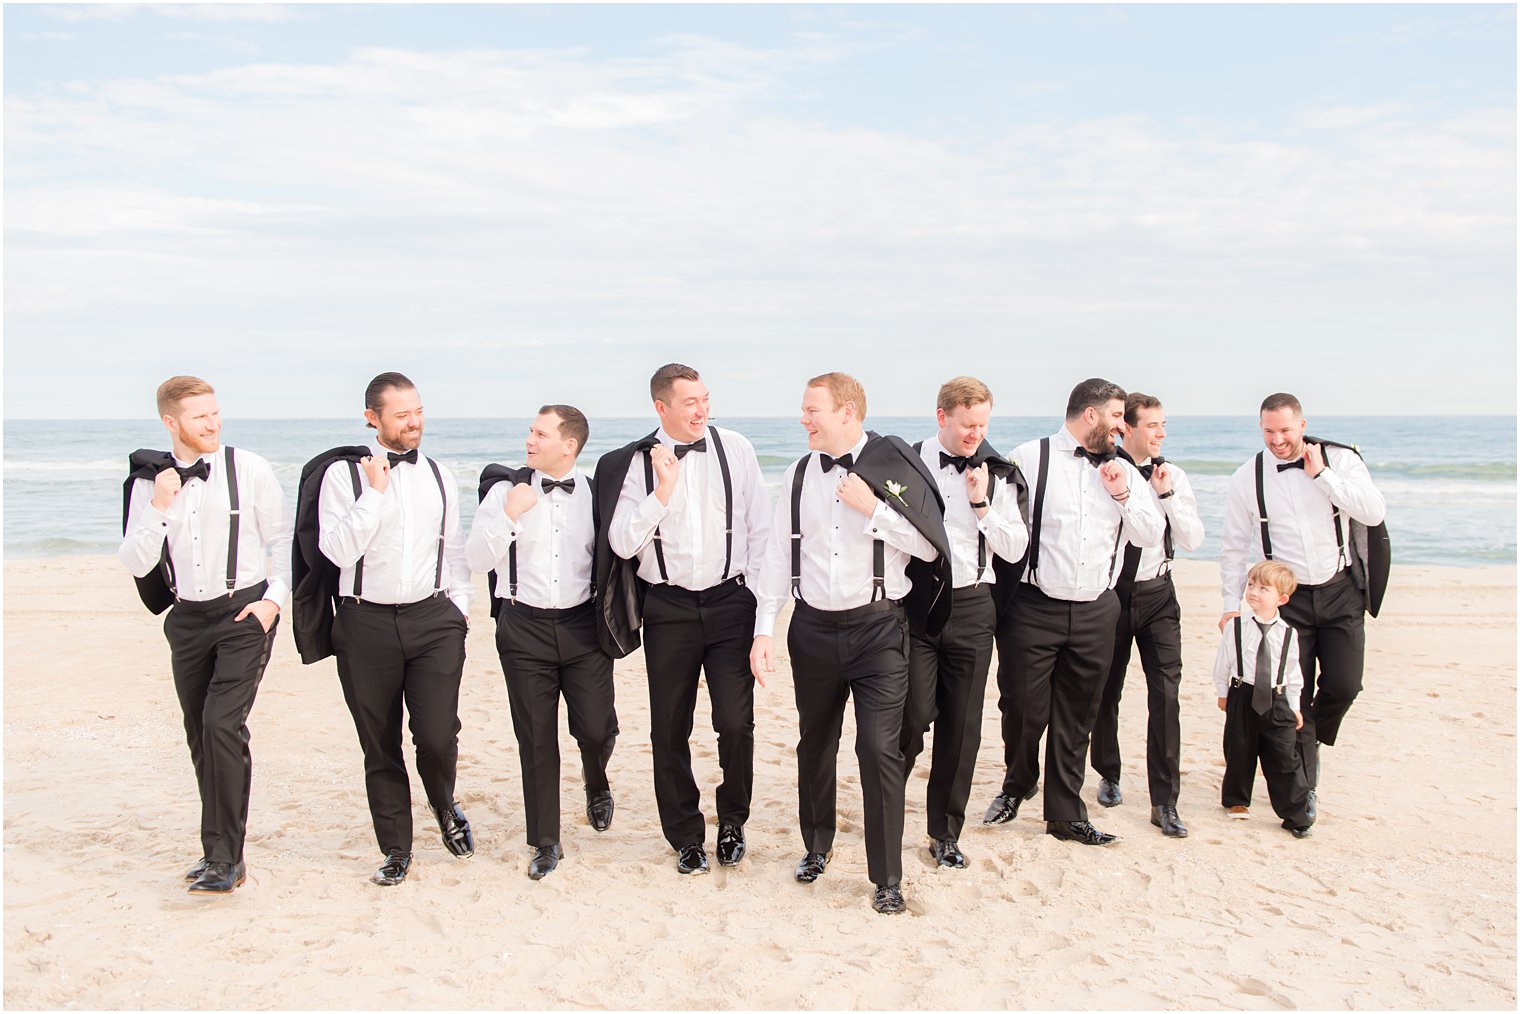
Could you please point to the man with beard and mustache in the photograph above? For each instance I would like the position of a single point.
(196, 536)
(1064, 613)
(689, 504)
(1150, 617)
(947, 673)
(390, 523)
(1305, 495)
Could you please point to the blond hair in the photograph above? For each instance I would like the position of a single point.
(1274, 575)
(959, 391)
(176, 389)
(842, 388)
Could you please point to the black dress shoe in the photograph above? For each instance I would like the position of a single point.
(1079, 831)
(545, 859)
(1300, 832)
(1311, 807)
(393, 871)
(889, 901)
(194, 872)
(692, 860)
(599, 810)
(947, 852)
(219, 878)
(1165, 817)
(1003, 809)
(1109, 794)
(812, 866)
(456, 830)
(731, 846)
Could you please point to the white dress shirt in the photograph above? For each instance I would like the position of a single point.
(1081, 524)
(1250, 644)
(395, 533)
(692, 524)
(555, 539)
(1180, 510)
(197, 524)
(1002, 526)
(837, 551)
(1300, 518)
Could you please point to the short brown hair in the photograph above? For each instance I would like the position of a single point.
(1094, 392)
(665, 378)
(842, 388)
(958, 391)
(176, 389)
(1281, 399)
(1274, 575)
(375, 392)
(572, 424)
(1134, 403)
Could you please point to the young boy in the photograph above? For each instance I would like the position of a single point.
(1258, 681)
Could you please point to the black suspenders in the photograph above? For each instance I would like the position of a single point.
(1282, 663)
(1261, 511)
(234, 516)
(728, 509)
(443, 528)
(878, 548)
(1038, 510)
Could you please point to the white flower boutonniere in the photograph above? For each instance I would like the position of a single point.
(895, 490)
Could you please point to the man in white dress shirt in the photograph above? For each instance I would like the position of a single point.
(536, 530)
(1308, 491)
(948, 671)
(215, 542)
(842, 551)
(694, 512)
(399, 631)
(1150, 617)
(1085, 502)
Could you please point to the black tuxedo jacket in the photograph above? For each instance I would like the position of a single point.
(314, 578)
(620, 591)
(145, 463)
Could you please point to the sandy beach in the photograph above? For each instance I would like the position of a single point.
(1404, 897)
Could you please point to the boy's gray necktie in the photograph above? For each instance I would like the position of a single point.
(1261, 694)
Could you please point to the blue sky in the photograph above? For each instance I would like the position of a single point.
(525, 204)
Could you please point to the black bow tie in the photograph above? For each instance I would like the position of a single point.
(960, 461)
(1146, 470)
(410, 457)
(843, 461)
(1093, 457)
(550, 485)
(1283, 466)
(684, 449)
(200, 470)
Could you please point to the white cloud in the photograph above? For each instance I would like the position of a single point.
(223, 13)
(544, 201)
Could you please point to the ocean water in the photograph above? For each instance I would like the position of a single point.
(1449, 481)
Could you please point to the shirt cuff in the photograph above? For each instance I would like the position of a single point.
(370, 499)
(879, 522)
(277, 592)
(765, 623)
(652, 511)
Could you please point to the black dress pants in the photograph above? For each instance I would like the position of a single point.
(1330, 624)
(387, 655)
(687, 633)
(947, 684)
(217, 664)
(546, 653)
(1269, 738)
(835, 654)
(1150, 618)
(1060, 653)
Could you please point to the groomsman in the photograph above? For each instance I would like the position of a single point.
(206, 531)
(390, 523)
(1288, 507)
(1150, 617)
(535, 531)
(947, 673)
(1065, 611)
(693, 510)
(845, 563)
